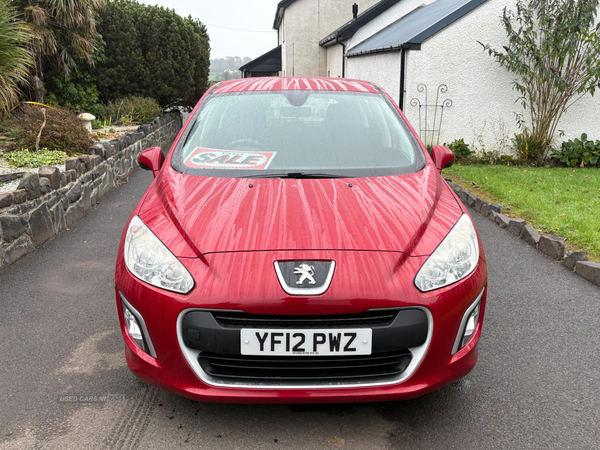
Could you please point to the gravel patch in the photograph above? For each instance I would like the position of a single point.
(5, 168)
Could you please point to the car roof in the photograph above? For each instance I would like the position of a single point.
(294, 84)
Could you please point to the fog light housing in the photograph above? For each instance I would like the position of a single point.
(136, 328)
(468, 324)
(133, 328)
(471, 324)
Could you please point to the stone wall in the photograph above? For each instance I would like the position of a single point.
(46, 203)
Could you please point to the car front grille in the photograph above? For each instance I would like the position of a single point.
(309, 369)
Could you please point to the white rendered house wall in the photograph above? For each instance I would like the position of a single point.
(305, 23)
(334, 60)
(483, 100)
(397, 11)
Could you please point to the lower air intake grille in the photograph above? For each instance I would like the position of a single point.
(274, 369)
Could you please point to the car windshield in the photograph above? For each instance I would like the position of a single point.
(297, 134)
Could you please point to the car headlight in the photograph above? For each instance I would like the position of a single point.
(454, 259)
(150, 260)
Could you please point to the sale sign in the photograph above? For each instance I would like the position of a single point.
(203, 158)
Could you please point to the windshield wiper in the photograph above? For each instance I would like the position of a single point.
(295, 175)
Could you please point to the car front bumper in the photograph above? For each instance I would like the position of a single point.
(171, 364)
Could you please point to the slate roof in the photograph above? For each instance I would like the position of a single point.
(417, 26)
(268, 62)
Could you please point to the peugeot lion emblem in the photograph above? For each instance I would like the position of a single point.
(304, 277)
(307, 273)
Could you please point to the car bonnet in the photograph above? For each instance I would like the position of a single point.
(194, 215)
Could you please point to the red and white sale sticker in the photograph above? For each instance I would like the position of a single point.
(203, 158)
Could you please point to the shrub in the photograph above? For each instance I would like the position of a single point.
(97, 124)
(63, 130)
(144, 109)
(44, 157)
(525, 146)
(460, 149)
(487, 156)
(78, 93)
(129, 110)
(578, 151)
(5, 125)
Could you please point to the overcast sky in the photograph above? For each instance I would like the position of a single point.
(256, 16)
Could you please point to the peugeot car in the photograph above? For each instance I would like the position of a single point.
(299, 244)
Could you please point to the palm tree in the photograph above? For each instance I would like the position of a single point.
(15, 58)
(64, 31)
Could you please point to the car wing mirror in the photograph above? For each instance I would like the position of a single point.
(151, 159)
(442, 157)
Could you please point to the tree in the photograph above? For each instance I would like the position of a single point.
(64, 32)
(554, 49)
(151, 51)
(15, 59)
(124, 70)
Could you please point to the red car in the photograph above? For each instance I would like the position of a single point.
(298, 244)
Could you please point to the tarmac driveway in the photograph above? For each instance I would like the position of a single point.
(65, 383)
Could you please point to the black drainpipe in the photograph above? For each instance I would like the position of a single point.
(337, 41)
(402, 75)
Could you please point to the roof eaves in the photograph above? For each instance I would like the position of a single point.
(391, 48)
(279, 12)
(347, 30)
(326, 41)
(332, 37)
(367, 15)
(382, 49)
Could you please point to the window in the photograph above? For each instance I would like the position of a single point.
(338, 133)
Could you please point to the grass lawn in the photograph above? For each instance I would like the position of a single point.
(563, 201)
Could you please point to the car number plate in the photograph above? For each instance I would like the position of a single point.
(352, 341)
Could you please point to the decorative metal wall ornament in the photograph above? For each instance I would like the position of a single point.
(430, 132)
